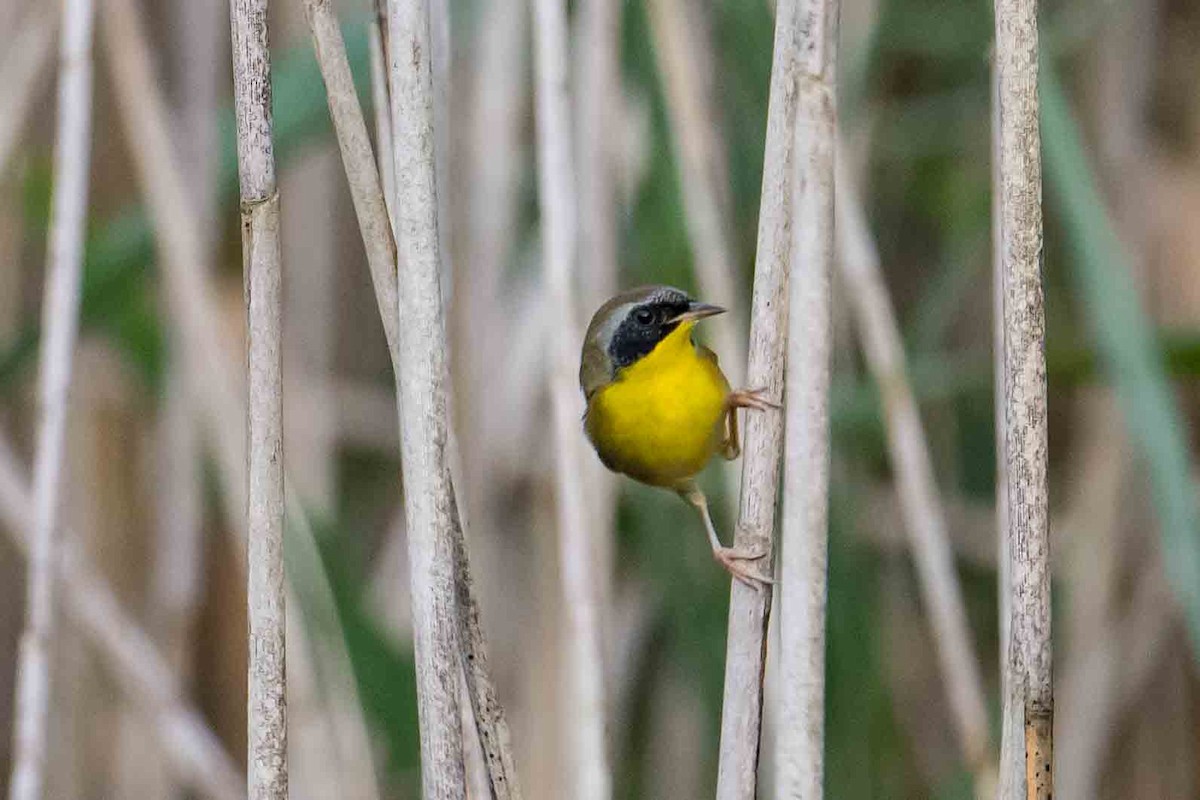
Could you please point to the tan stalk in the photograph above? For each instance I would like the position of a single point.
(686, 69)
(804, 538)
(598, 102)
(370, 206)
(263, 275)
(741, 715)
(212, 377)
(912, 466)
(588, 768)
(424, 424)
(1020, 193)
(176, 582)
(60, 324)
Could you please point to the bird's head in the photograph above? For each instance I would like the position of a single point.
(629, 326)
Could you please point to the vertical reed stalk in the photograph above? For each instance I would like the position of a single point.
(599, 104)
(1025, 385)
(805, 531)
(60, 321)
(1012, 760)
(424, 424)
(371, 209)
(741, 715)
(686, 69)
(381, 106)
(913, 468)
(588, 769)
(267, 709)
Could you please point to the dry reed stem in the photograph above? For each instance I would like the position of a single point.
(913, 469)
(357, 158)
(21, 71)
(804, 540)
(429, 497)
(375, 228)
(496, 161)
(599, 102)
(60, 324)
(381, 105)
(588, 768)
(678, 41)
(1025, 381)
(1012, 768)
(211, 375)
(177, 578)
(263, 275)
(143, 673)
(741, 715)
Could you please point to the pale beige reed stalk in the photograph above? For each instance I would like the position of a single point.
(741, 713)
(686, 70)
(212, 377)
(263, 275)
(587, 769)
(60, 324)
(423, 411)
(375, 228)
(1030, 678)
(804, 539)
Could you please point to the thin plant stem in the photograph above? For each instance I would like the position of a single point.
(381, 107)
(678, 41)
(804, 540)
(144, 674)
(913, 468)
(60, 325)
(21, 71)
(357, 158)
(597, 103)
(1011, 781)
(1025, 384)
(375, 228)
(741, 715)
(423, 408)
(588, 768)
(263, 274)
(211, 375)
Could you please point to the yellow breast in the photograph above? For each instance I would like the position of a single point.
(663, 417)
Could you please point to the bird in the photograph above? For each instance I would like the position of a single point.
(659, 408)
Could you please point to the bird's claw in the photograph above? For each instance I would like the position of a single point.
(752, 398)
(734, 559)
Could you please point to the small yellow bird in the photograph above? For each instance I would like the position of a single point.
(658, 406)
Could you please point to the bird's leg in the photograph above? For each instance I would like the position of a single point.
(731, 448)
(733, 559)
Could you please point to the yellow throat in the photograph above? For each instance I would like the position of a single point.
(663, 417)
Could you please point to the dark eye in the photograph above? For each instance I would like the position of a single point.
(643, 316)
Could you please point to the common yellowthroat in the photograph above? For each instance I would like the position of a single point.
(658, 406)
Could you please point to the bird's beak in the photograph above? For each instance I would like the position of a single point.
(698, 311)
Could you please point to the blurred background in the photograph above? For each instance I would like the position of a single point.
(678, 128)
